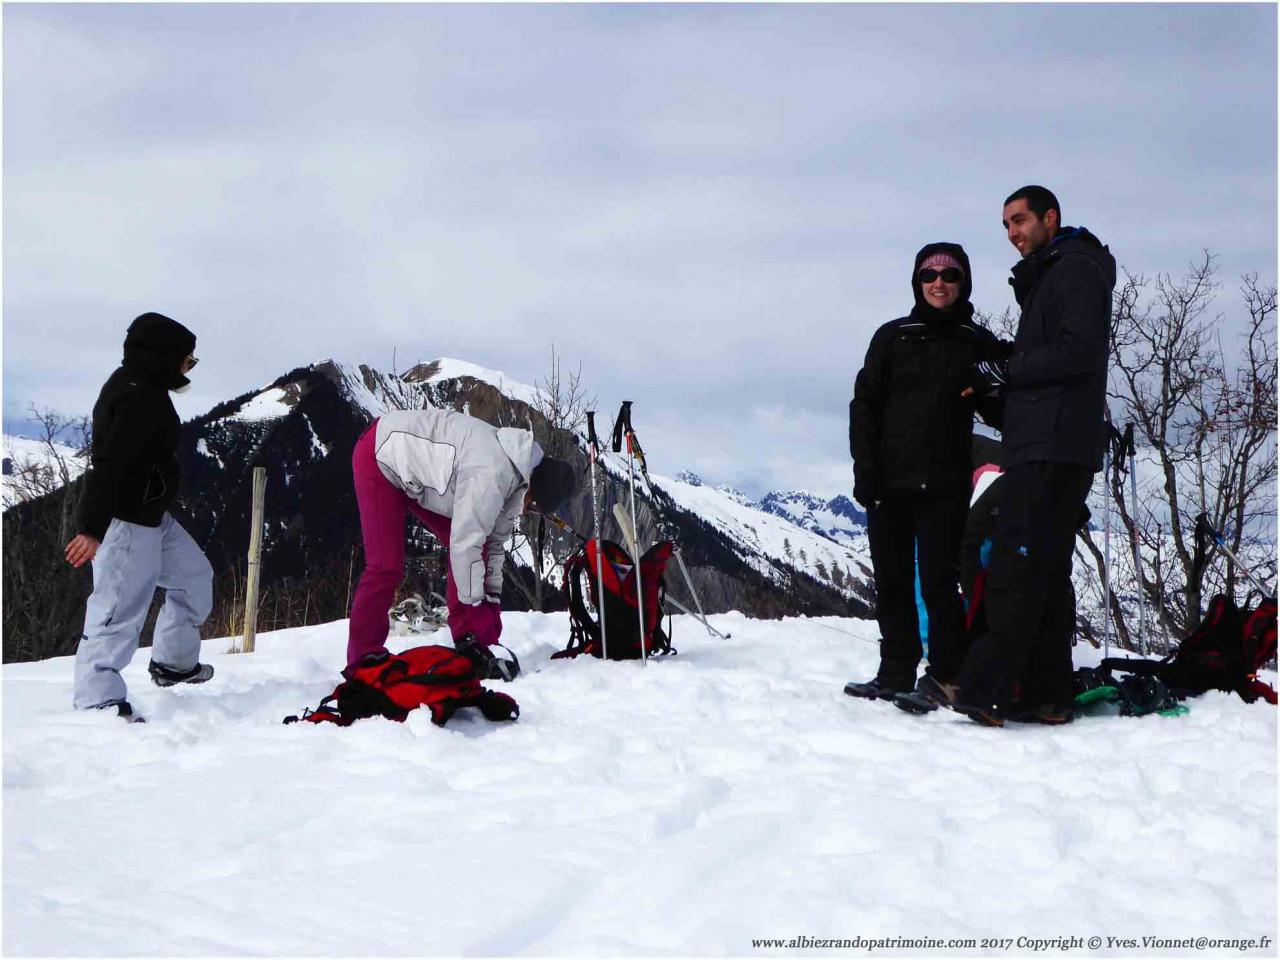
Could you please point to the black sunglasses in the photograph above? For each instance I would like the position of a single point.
(189, 363)
(949, 275)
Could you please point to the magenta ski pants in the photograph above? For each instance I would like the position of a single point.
(382, 511)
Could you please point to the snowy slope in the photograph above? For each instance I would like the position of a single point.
(682, 808)
(23, 452)
(766, 540)
(376, 393)
(837, 518)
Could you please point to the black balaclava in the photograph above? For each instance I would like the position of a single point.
(154, 349)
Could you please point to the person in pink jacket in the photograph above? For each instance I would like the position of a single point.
(468, 482)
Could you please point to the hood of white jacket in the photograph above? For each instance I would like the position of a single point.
(520, 446)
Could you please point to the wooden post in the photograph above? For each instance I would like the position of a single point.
(255, 561)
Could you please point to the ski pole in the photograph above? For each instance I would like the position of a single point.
(621, 429)
(1133, 535)
(1106, 540)
(1221, 542)
(700, 616)
(661, 521)
(593, 442)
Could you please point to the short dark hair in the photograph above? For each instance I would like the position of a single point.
(1040, 199)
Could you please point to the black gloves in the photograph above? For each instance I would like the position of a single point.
(493, 662)
(986, 377)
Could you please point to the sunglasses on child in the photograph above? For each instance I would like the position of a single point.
(949, 275)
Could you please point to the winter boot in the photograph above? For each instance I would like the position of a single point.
(163, 676)
(1045, 713)
(929, 694)
(988, 716)
(494, 662)
(123, 710)
(872, 690)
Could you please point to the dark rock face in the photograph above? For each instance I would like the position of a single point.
(311, 547)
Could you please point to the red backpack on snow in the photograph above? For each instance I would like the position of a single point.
(383, 684)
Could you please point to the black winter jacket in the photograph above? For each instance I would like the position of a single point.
(1057, 387)
(909, 428)
(134, 470)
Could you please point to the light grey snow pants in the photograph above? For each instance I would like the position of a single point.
(131, 562)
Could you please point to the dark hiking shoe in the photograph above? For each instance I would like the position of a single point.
(942, 694)
(929, 694)
(872, 690)
(163, 676)
(987, 716)
(494, 662)
(914, 702)
(123, 710)
(1045, 713)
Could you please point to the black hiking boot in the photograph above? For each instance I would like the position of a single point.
(493, 662)
(1046, 713)
(163, 676)
(123, 710)
(929, 694)
(872, 690)
(987, 715)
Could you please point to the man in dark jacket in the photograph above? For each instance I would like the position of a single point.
(125, 528)
(911, 445)
(1054, 388)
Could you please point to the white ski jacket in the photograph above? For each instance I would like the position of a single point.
(463, 468)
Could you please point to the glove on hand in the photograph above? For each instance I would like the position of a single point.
(988, 376)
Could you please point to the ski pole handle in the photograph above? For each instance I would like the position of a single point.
(621, 424)
(592, 439)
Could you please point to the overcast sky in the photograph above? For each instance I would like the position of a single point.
(712, 207)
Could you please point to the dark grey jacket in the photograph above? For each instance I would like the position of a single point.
(1057, 387)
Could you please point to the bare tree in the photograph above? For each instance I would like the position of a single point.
(63, 448)
(563, 401)
(1208, 418)
(1003, 324)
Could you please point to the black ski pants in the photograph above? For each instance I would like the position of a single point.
(1030, 603)
(902, 524)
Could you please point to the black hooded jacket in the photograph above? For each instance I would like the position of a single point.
(909, 428)
(1057, 389)
(134, 470)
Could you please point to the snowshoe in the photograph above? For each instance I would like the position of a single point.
(494, 662)
(123, 710)
(1094, 685)
(872, 690)
(1140, 696)
(163, 676)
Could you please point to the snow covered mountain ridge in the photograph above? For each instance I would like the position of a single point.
(837, 518)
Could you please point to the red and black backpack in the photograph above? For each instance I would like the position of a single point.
(383, 684)
(621, 611)
(1224, 653)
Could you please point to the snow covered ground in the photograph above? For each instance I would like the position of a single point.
(687, 807)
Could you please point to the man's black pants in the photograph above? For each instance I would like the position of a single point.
(901, 524)
(1030, 604)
